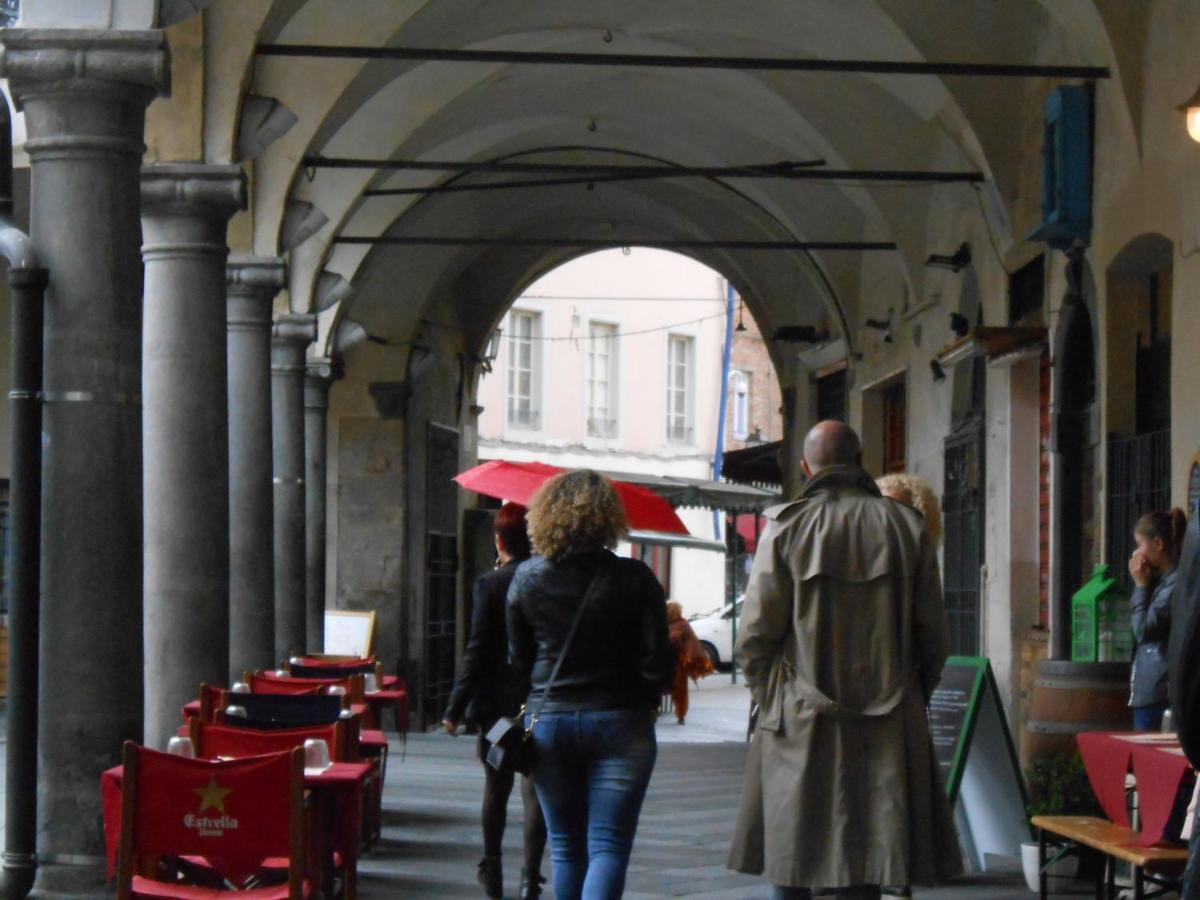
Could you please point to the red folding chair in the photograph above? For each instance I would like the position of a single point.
(234, 815)
(269, 683)
(213, 741)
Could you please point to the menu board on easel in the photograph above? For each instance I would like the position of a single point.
(978, 762)
(349, 633)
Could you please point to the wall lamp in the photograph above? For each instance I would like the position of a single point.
(1191, 112)
(884, 325)
(956, 263)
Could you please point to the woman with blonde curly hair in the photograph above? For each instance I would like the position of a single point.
(914, 491)
(594, 743)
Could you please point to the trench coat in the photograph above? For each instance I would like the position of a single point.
(843, 638)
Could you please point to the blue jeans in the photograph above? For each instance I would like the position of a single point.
(591, 772)
(1149, 718)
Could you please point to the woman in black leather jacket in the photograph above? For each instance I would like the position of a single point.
(487, 689)
(594, 741)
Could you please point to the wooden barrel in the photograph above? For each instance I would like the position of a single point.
(1070, 697)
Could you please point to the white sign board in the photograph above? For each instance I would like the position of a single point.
(349, 633)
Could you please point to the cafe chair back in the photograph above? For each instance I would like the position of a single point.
(212, 699)
(213, 741)
(274, 711)
(233, 814)
(270, 683)
(336, 670)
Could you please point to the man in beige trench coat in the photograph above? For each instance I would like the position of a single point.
(843, 638)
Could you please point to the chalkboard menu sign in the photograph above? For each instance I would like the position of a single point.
(974, 751)
(952, 710)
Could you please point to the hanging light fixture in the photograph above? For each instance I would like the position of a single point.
(1191, 112)
(741, 325)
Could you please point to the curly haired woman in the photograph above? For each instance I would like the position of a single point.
(594, 743)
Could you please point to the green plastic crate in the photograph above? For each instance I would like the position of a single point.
(1100, 627)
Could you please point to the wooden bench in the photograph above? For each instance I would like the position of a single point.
(1158, 865)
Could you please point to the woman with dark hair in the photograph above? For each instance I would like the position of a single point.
(487, 689)
(1159, 536)
(594, 743)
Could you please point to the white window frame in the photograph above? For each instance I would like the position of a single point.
(533, 416)
(607, 428)
(739, 390)
(673, 416)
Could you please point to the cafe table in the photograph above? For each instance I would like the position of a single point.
(1160, 771)
(337, 791)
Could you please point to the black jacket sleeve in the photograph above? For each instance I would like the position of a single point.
(656, 658)
(522, 647)
(467, 684)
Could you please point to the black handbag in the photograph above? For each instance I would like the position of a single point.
(511, 739)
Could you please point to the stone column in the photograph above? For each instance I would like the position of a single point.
(252, 285)
(317, 380)
(84, 95)
(289, 341)
(185, 439)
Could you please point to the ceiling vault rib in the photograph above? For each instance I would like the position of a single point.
(608, 243)
(666, 61)
(800, 171)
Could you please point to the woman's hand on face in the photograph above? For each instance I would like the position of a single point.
(451, 727)
(1139, 569)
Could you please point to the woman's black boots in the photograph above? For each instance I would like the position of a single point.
(531, 885)
(491, 876)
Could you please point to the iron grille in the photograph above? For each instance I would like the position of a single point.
(962, 504)
(1139, 481)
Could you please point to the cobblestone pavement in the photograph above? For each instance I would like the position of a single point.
(431, 840)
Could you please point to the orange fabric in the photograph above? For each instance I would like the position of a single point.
(679, 690)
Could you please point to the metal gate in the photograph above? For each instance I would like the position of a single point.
(962, 504)
(441, 571)
(1139, 481)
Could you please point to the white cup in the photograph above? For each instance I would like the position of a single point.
(346, 714)
(181, 746)
(296, 661)
(335, 690)
(316, 754)
(240, 687)
(281, 673)
(370, 685)
(234, 710)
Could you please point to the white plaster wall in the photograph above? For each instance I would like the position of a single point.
(651, 292)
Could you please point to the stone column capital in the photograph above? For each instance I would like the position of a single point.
(319, 375)
(263, 276)
(131, 65)
(296, 329)
(193, 189)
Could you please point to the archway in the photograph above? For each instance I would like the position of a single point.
(1138, 398)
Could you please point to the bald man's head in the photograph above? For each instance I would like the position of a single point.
(831, 443)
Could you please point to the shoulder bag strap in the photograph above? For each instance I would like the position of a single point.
(562, 654)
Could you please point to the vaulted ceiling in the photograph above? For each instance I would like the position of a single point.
(386, 109)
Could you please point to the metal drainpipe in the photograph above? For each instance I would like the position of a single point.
(726, 355)
(27, 286)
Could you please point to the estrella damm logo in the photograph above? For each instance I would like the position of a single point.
(212, 797)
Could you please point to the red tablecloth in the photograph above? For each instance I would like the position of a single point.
(397, 699)
(339, 789)
(1159, 769)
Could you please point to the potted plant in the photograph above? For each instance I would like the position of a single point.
(1058, 786)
